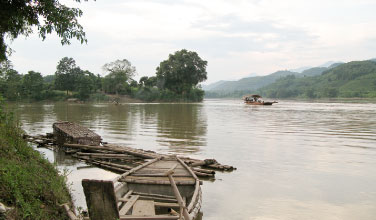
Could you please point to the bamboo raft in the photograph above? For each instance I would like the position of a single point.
(86, 145)
(162, 188)
(144, 175)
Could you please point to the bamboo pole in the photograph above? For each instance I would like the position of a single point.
(203, 170)
(69, 212)
(203, 174)
(177, 194)
(136, 168)
(114, 164)
(109, 148)
(107, 155)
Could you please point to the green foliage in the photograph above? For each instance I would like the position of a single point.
(182, 71)
(49, 79)
(148, 81)
(84, 85)
(28, 182)
(120, 73)
(32, 84)
(19, 17)
(98, 97)
(67, 74)
(10, 81)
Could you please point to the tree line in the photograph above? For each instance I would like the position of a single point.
(176, 79)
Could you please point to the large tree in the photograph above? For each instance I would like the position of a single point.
(67, 74)
(10, 81)
(18, 17)
(120, 73)
(182, 71)
(32, 84)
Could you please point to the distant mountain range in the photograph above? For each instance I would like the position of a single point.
(349, 80)
(256, 82)
(332, 79)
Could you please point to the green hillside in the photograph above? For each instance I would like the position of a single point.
(353, 79)
(313, 71)
(250, 83)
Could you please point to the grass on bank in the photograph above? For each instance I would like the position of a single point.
(28, 182)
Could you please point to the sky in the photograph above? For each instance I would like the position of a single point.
(237, 38)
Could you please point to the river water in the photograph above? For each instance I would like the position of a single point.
(295, 159)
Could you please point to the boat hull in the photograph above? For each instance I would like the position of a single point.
(153, 185)
(259, 103)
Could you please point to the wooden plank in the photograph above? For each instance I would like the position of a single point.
(156, 217)
(120, 189)
(116, 169)
(165, 165)
(167, 204)
(155, 195)
(136, 168)
(147, 170)
(158, 180)
(163, 174)
(128, 205)
(108, 155)
(144, 208)
(127, 194)
(114, 149)
(122, 166)
(100, 199)
(159, 199)
(162, 178)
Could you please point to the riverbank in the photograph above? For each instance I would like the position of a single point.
(29, 184)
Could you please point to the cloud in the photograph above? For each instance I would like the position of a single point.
(236, 37)
(231, 33)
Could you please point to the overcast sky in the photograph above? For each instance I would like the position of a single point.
(236, 37)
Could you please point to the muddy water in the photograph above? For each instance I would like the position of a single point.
(295, 160)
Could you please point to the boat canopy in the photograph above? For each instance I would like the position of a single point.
(252, 96)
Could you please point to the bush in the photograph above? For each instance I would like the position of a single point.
(99, 97)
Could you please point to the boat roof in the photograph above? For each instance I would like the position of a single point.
(253, 96)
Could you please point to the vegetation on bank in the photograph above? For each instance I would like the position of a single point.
(29, 183)
(355, 79)
(176, 79)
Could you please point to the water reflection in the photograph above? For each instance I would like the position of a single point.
(295, 160)
(63, 159)
(181, 127)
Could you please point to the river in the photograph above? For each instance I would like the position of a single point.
(295, 159)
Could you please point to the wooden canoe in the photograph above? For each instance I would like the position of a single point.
(163, 188)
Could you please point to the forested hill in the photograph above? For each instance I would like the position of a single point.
(353, 79)
(249, 83)
(236, 89)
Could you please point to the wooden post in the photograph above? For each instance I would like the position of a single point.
(100, 199)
